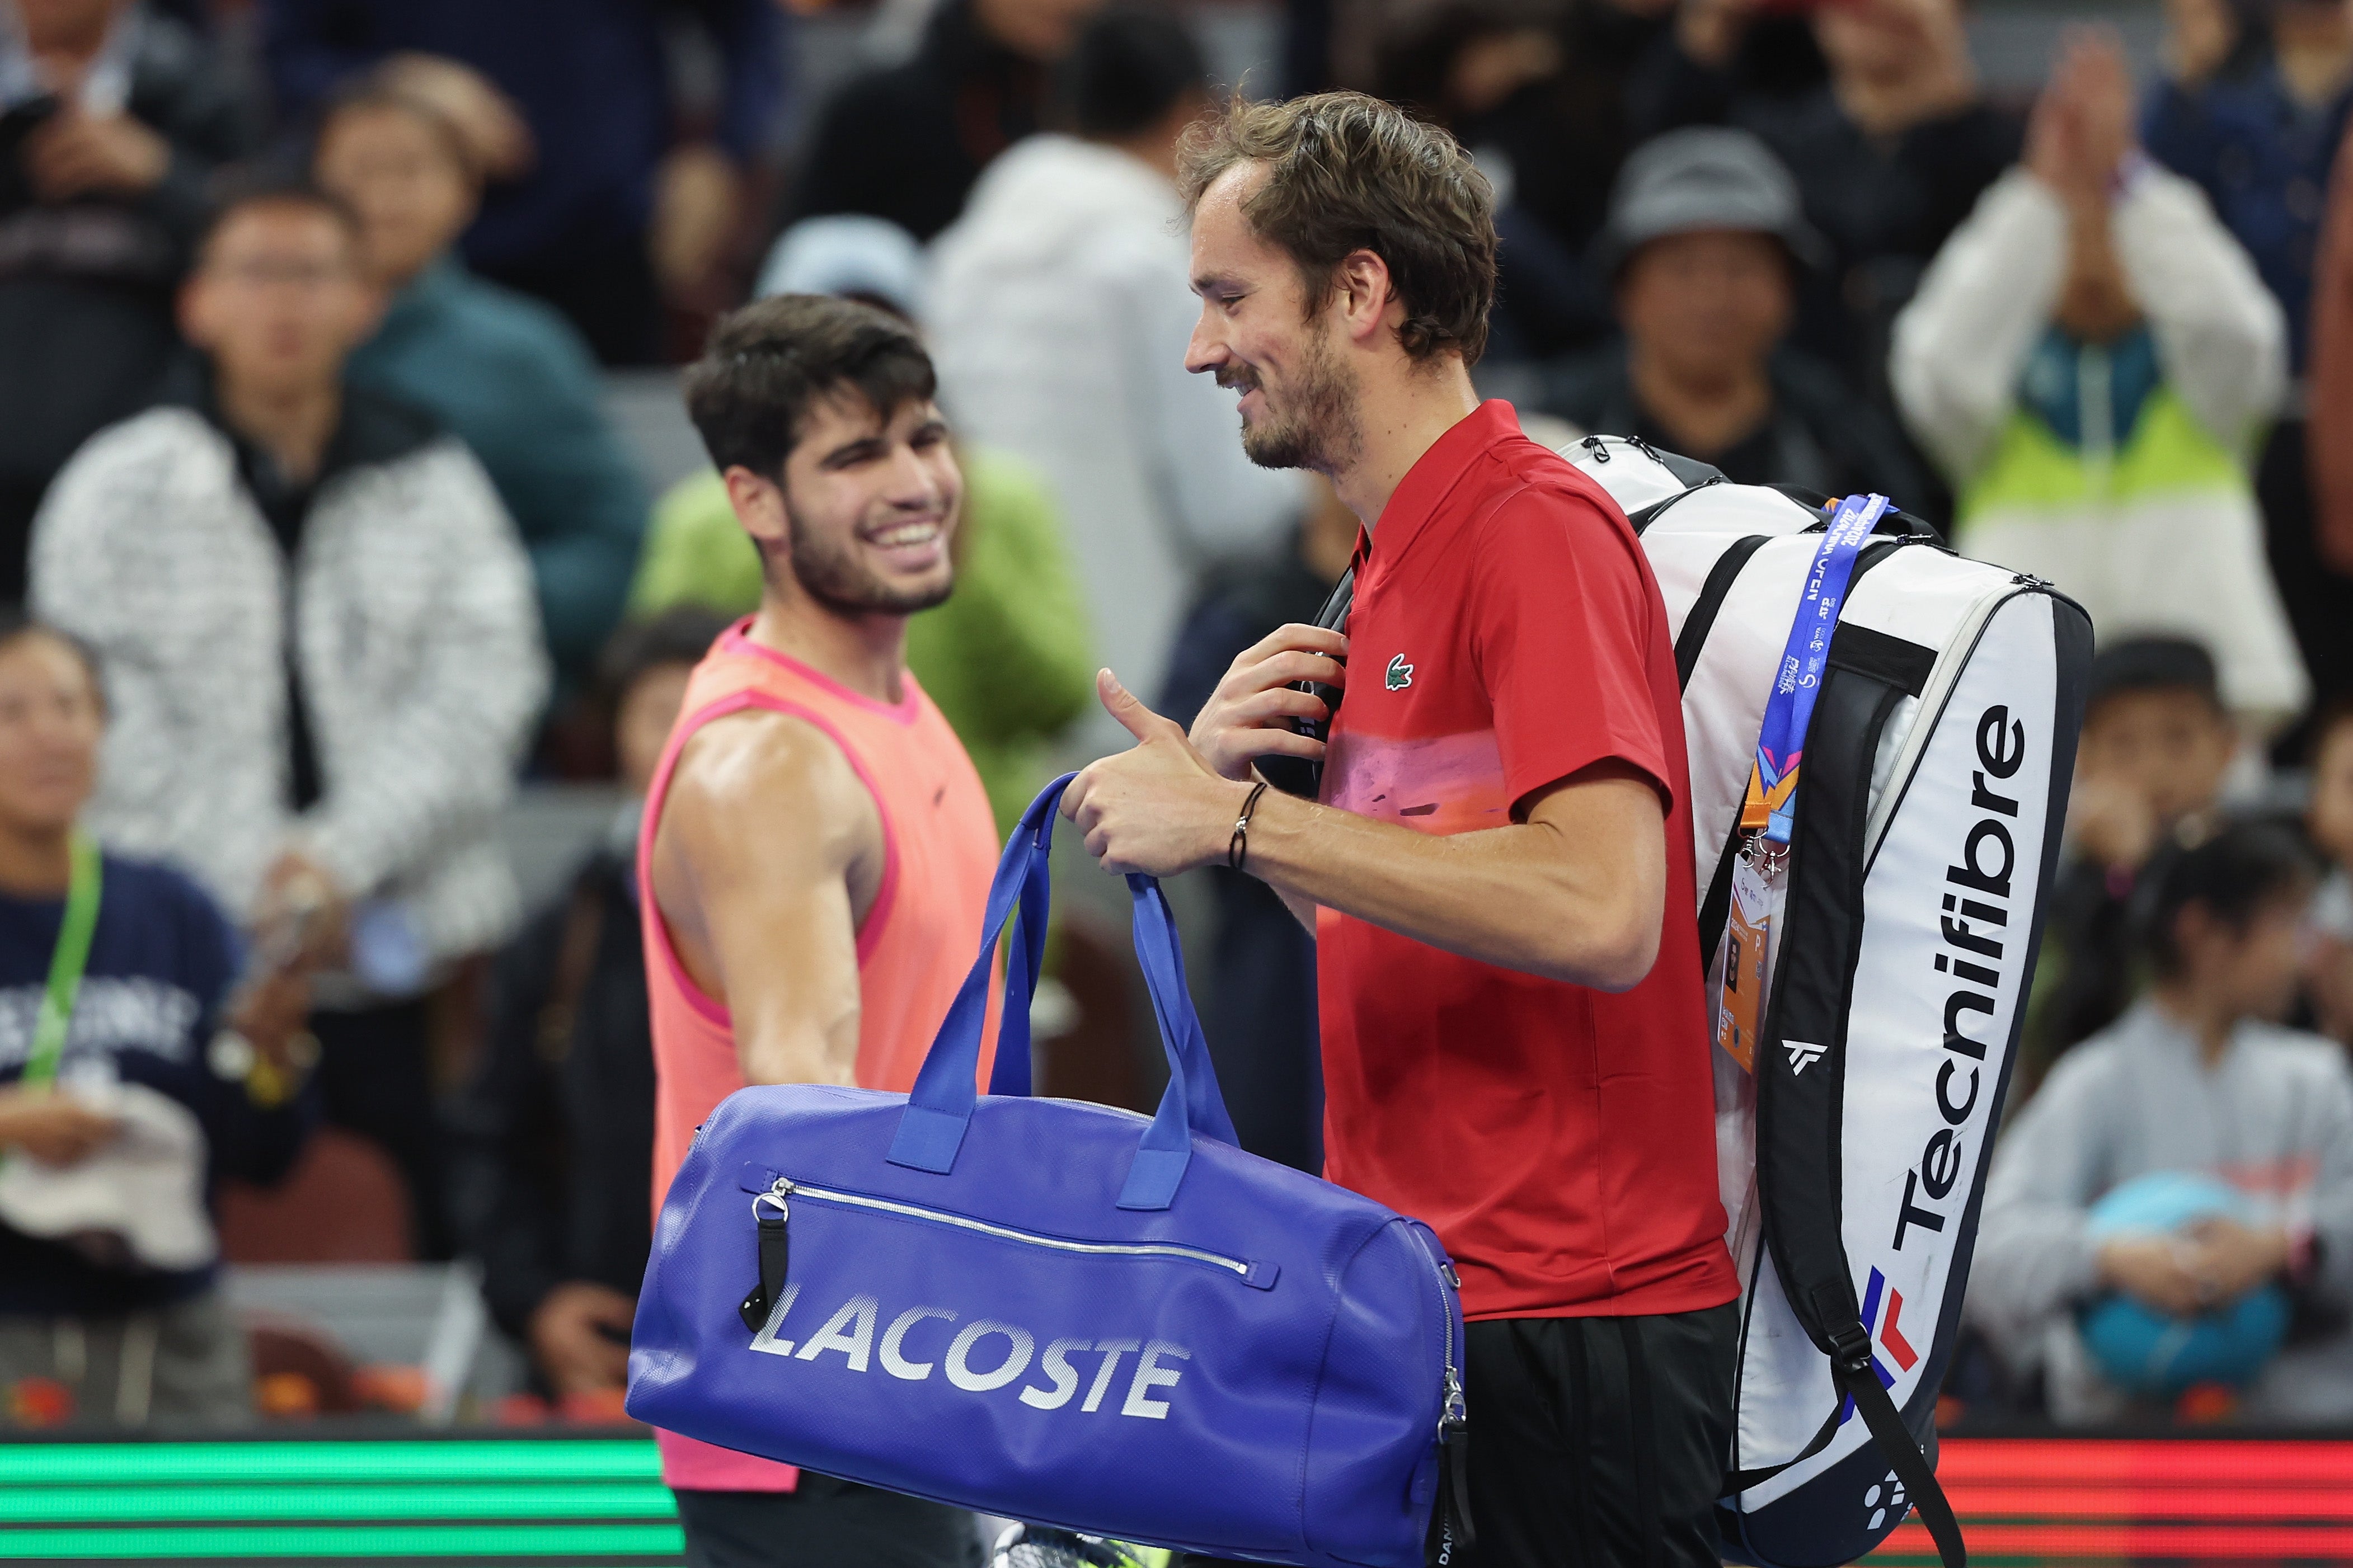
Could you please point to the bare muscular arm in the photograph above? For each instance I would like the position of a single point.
(768, 854)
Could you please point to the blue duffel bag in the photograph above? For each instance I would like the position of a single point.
(1058, 1312)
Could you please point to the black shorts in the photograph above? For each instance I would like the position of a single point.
(1597, 1442)
(825, 1523)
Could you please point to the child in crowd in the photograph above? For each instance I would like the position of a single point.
(2155, 746)
(557, 1133)
(2196, 1078)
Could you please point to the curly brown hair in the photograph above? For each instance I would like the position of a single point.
(1347, 172)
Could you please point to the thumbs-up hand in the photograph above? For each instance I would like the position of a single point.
(1158, 807)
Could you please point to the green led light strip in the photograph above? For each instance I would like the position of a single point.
(347, 1541)
(495, 1499)
(22, 1464)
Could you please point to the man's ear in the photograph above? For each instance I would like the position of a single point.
(1365, 296)
(759, 504)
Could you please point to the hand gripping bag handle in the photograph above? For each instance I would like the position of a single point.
(939, 1109)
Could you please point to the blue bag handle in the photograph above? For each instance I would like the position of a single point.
(939, 1108)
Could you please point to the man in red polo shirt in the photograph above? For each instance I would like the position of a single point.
(1499, 869)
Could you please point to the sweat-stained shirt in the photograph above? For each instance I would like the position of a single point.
(1505, 633)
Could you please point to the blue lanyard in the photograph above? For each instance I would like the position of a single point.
(1773, 786)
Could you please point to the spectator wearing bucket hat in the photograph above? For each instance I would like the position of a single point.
(1891, 145)
(1705, 239)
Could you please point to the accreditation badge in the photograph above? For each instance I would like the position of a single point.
(1756, 895)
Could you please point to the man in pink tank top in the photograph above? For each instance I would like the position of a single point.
(817, 848)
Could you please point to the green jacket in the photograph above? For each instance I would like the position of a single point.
(512, 380)
(1007, 658)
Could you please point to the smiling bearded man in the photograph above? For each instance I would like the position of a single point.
(816, 849)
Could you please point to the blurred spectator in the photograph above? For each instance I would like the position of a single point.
(1260, 1017)
(1707, 242)
(2256, 100)
(906, 142)
(2155, 749)
(2093, 359)
(1890, 152)
(1007, 657)
(2328, 822)
(1537, 91)
(110, 121)
(1061, 309)
(114, 1127)
(557, 1129)
(605, 199)
(321, 648)
(503, 371)
(2197, 1079)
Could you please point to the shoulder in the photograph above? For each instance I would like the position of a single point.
(735, 773)
(514, 327)
(164, 445)
(149, 890)
(163, 435)
(2313, 1063)
(1538, 500)
(2090, 1072)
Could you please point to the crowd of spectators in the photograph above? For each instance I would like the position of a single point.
(306, 308)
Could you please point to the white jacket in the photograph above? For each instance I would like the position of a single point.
(1060, 311)
(418, 640)
(2153, 527)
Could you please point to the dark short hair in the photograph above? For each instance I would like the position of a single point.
(1347, 172)
(17, 624)
(2153, 663)
(680, 635)
(238, 196)
(766, 364)
(1132, 65)
(2233, 872)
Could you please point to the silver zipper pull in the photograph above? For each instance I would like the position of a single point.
(775, 1195)
(1453, 1279)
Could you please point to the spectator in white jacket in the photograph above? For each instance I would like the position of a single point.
(322, 654)
(1060, 310)
(2094, 360)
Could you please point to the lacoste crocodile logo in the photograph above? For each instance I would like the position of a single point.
(1400, 674)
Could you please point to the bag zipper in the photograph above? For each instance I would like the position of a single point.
(1260, 1276)
(1453, 1418)
(1451, 1516)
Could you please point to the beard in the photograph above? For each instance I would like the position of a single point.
(830, 571)
(1315, 426)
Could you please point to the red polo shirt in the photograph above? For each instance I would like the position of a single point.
(1507, 633)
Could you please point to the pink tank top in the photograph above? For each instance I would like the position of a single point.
(913, 948)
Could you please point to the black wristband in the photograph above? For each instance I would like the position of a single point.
(1238, 847)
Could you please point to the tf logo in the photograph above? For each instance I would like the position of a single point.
(1399, 674)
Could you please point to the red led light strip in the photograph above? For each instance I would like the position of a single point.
(2069, 1500)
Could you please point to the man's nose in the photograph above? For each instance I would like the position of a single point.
(913, 484)
(1206, 350)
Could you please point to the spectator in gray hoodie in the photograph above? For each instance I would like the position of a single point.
(2196, 1077)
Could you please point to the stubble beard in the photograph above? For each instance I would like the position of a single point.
(831, 575)
(1319, 430)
